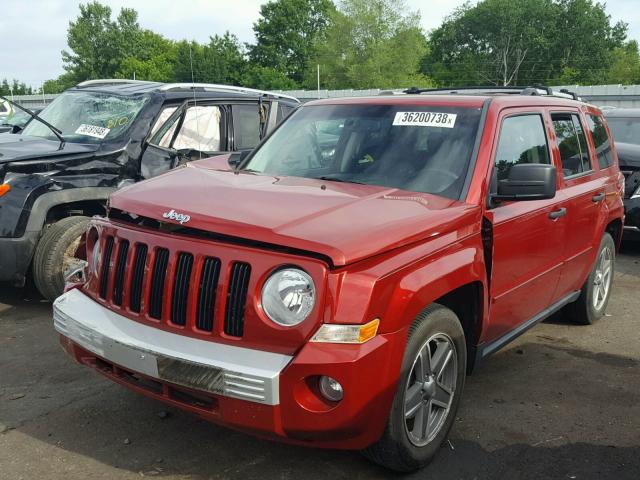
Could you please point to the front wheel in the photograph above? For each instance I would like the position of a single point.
(55, 255)
(428, 395)
(596, 291)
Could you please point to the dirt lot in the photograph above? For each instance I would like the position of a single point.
(563, 402)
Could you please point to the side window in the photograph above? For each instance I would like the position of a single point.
(283, 112)
(163, 117)
(600, 140)
(200, 129)
(571, 143)
(246, 126)
(522, 140)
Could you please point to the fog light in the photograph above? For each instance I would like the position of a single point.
(330, 389)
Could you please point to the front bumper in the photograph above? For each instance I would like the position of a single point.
(268, 394)
(16, 255)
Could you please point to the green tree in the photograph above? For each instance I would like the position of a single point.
(371, 44)
(508, 42)
(15, 87)
(154, 60)
(286, 33)
(625, 66)
(222, 60)
(98, 44)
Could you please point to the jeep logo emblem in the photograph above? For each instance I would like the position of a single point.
(178, 217)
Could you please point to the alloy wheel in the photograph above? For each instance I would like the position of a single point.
(602, 278)
(430, 389)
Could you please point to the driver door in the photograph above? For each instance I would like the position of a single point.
(528, 236)
(188, 132)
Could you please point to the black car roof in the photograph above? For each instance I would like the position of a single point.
(176, 90)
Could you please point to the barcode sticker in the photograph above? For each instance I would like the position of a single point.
(425, 119)
(92, 131)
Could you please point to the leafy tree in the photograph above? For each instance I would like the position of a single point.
(506, 42)
(15, 87)
(369, 44)
(154, 60)
(625, 66)
(98, 44)
(222, 60)
(267, 78)
(286, 33)
(60, 84)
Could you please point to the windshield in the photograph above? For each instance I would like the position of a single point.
(417, 148)
(88, 117)
(625, 130)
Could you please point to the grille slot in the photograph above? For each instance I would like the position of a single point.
(181, 288)
(207, 293)
(156, 291)
(137, 277)
(106, 265)
(121, 263)
(236, 299)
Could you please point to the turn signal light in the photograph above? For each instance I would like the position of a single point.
(329, 333)
(4, 188)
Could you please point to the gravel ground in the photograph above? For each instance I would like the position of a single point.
(562, 402)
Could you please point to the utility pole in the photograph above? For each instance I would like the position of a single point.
(318, 78)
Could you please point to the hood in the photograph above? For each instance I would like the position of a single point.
(21, 147)
(342, 222)
(628, 154)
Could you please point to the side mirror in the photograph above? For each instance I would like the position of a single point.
(237, 158)
(528, 181)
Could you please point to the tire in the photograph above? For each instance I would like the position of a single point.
(400, 448)
(49, 258)
(588, 309)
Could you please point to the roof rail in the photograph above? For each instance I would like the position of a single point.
(532, 90)
(110, 81)
(222, 88)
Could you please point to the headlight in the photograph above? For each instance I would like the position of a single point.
(288, 296)
(95, 257)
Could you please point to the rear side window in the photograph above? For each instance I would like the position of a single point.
(246, 126)
(572, 144)
(522, 140)
(600, 140)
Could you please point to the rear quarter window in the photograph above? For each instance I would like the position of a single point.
(601, 140)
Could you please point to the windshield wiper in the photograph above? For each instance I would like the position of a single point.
(339, 180)
(56, 132)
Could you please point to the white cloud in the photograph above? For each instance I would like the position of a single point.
(33, 33)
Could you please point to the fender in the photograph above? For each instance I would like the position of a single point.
(398, 295)
(46, 202)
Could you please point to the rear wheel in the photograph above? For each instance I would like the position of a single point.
(596, 291)
(55, 255)
(428, 395)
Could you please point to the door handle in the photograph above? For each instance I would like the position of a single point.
(597, 198)
(558, 213)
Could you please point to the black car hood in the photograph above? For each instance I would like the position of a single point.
(628, 154)
(21, 147)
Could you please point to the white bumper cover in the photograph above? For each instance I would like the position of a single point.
(237, 372)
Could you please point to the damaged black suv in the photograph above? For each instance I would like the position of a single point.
(100, 136)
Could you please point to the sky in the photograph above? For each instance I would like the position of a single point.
(34, 32)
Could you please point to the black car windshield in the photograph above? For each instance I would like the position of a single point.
(625, 130)
(417, 148)
(88, 117)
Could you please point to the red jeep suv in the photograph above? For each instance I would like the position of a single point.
(334, 288)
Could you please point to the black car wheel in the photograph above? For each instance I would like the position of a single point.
(428, 395)
(55, 255)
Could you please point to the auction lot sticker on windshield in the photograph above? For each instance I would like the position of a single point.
(92, 131)
(425, 119)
